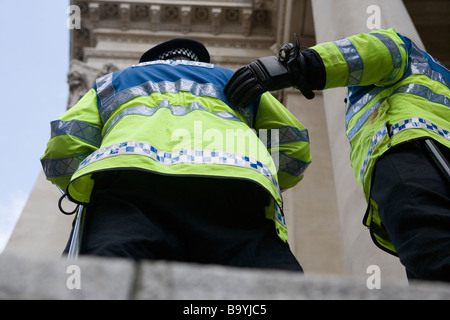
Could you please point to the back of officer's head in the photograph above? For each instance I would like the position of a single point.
(177, 49)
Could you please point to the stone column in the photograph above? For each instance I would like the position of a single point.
(42, 230)
(311, 207)
(335, 19)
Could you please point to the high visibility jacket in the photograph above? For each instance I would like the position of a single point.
(396, 92)
(172, 117)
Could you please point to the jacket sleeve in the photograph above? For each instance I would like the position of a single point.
(75, 135)
(287, 140)
(376, 58)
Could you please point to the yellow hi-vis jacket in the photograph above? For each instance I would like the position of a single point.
(172, 117)
(396, 92)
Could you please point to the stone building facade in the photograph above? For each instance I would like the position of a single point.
(324, 212)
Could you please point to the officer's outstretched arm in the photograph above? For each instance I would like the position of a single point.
(269, 74)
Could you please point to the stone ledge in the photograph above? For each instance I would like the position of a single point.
(29, 278)
(119, 279)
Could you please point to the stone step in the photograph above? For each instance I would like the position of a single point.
(119, 279)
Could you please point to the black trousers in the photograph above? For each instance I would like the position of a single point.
(141, 215)
(413, 197)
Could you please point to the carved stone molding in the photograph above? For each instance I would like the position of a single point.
(140, 14)
(81, 78)
(232, 19)
(78, 86)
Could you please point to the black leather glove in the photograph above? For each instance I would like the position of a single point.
(269, 74)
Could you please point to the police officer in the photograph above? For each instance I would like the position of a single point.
(397, 121)
(166, 169)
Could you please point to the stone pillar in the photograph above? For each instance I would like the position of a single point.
(311, 206)
(42, 230)
(335, 19)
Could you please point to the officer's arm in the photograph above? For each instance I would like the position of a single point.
(287, 140)
(376, 58)
(270, 74)
(74, 135)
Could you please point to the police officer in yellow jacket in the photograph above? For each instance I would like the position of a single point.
(397, 121)
(166, 169)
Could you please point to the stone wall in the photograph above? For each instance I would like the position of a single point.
(118, 279)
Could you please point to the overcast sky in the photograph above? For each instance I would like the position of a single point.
(34, 61)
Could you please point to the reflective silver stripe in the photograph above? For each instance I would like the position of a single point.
(192, 156)
(286, 134)
(395, 54)
(248, 113)
(354, 61)
(110, 100)
(412, 88)
(415, 123)
(353, 108)
(105, 90)
(424, 92)
(59, 167)
(291, 165)
(175, 110)
(363, 118)
(376, 138)
(420, 65)
(76, 128)
(277, 137)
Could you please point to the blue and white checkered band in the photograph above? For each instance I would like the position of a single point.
(192, 156)
(179, 52)
(411, 123)
(418, 123)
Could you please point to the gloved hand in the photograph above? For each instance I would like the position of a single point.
(268, 74)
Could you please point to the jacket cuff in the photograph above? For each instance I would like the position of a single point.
(315, 71)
